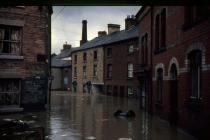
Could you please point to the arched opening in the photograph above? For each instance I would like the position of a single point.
(173, 95)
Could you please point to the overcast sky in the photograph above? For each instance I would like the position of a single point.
(67, 22)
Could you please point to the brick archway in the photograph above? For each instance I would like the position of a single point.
(176, 63)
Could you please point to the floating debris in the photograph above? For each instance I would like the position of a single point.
(125, 139)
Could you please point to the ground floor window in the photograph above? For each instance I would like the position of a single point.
(130, 91)
(10, 91)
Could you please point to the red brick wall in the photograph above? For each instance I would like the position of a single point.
(119, 60)
(178, 41)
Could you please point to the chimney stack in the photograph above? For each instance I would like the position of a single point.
(130, 21)
(101, 33)
(66, 46)
(84, 32)
(113, 28)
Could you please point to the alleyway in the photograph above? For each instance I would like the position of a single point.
(83, 117)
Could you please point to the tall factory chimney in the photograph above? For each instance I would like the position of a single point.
(84, 32)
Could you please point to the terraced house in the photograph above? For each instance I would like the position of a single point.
(24, 56)
(177, 44)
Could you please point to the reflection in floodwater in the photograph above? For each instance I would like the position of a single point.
(90, 117)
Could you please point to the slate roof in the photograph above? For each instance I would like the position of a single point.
(58, 62)
(64, 53)
(108, 39)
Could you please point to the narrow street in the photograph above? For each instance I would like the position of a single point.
(90, 116)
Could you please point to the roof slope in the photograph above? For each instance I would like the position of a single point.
(108, 39)
(64, 53)
(58, 62)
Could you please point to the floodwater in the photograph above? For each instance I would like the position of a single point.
(90, 117)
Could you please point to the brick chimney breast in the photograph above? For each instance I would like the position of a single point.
(113, 28)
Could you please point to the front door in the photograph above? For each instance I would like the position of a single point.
(173, 96)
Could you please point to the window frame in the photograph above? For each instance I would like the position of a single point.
(19, 41)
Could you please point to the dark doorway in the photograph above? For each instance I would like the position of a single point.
(173, 95)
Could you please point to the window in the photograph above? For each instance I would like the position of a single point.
(109, 89)
(163, 28)
(41, 58)
(94, 70)
(144, 48)
(84, 88)
(75, 71)
(95, 55)
(75, 59)
(130, 49)
(159, 85)
(84, 57)
(195, 14)
(157, 32)
(10, 40)
(109, 52)
(130, 91)
(195, 72)
(84, 71)
(10, 91)
(130, 70)
(109, 71)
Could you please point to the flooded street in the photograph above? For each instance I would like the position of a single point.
(89, 117)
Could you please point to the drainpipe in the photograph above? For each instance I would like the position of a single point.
(151, 63)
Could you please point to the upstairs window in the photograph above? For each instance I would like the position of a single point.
(10, 40)
(84, 57)
(75, 71)
(84, 72)
(109, 71)
(157, 32)
(144, 49)
(195, 14)
(95, 55)
(130, 49)
(109, 52)
(163, 28)
(75, 59)
(94, 70)
(130, 70)
(195, 59)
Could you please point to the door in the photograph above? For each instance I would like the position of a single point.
(173, 96)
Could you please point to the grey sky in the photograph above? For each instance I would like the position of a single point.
(67, 25)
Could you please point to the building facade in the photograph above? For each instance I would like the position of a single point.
(87, 70)
(120, 57)
(61, 69)
(180, 65)
(24, 53)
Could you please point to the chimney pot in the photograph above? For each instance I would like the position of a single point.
(130, 22)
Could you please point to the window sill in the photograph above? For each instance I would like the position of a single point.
(13, 57)
(108, 78)
(130, 78)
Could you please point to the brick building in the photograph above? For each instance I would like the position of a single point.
(24, 53)
(180, 67)
(120, 57)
